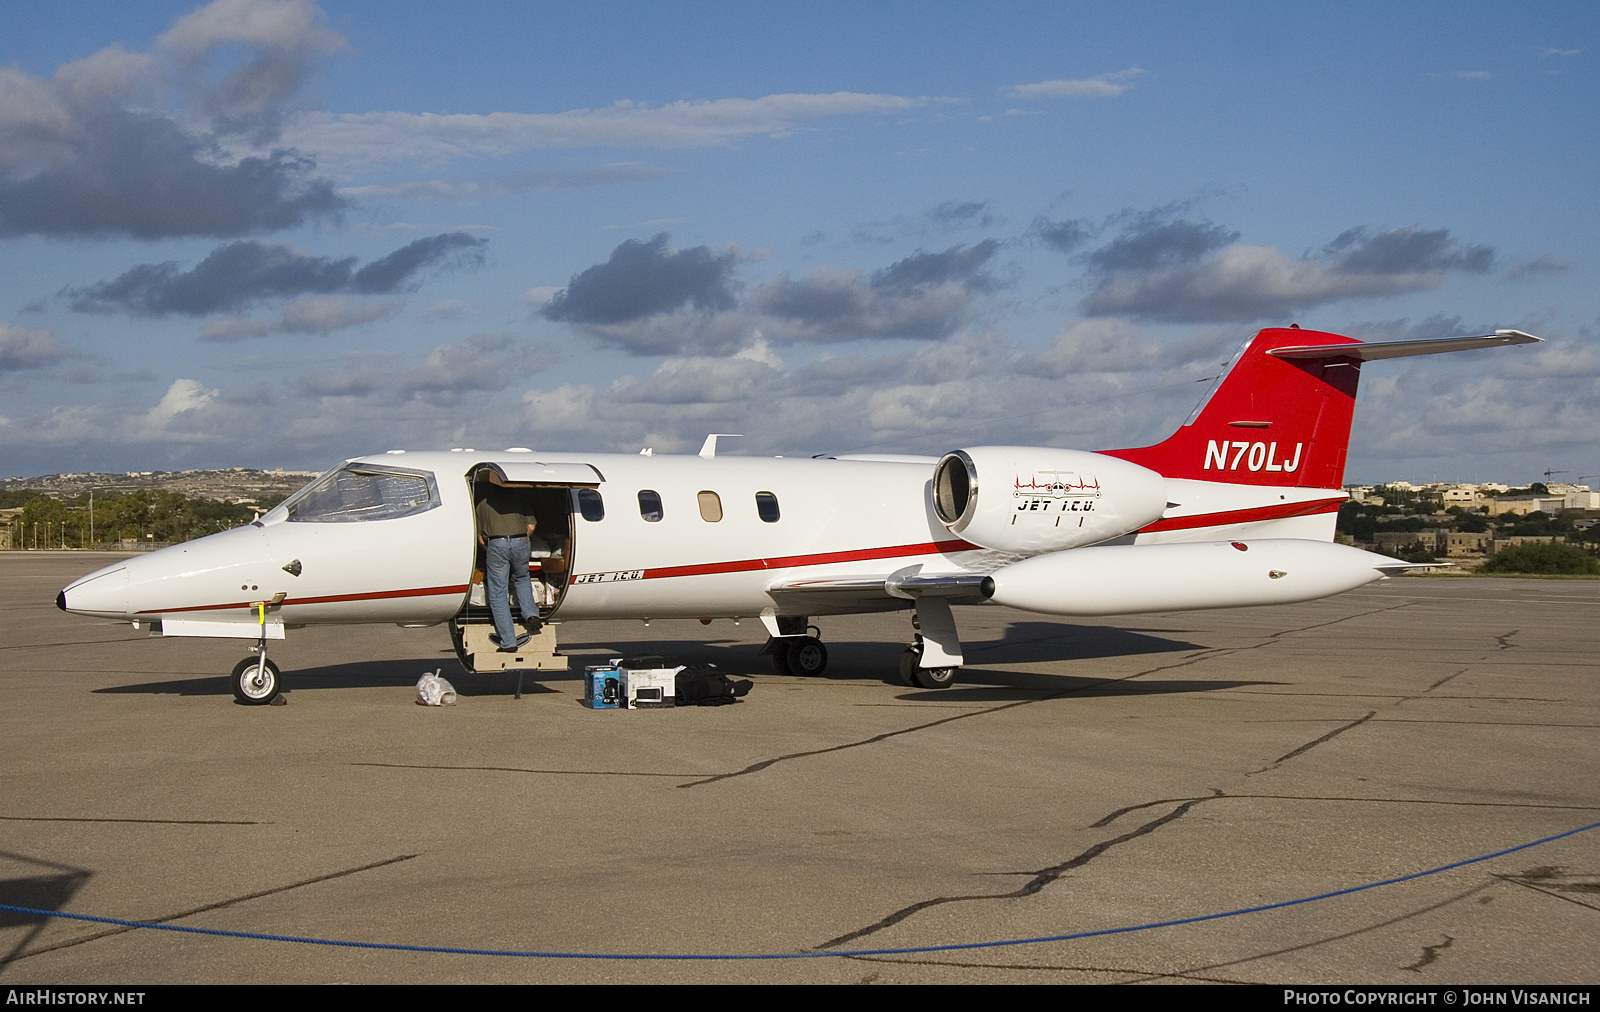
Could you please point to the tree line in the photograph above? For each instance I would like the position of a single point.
(145, 515)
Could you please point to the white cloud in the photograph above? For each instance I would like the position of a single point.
(519, 182)
(319, 314)
(1102, 86)
(449, 309)
(316, 314)
(21, 348)
(389, 136)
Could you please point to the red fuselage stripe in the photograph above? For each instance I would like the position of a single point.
(820, 559)
(382, 595)
(1245, 516)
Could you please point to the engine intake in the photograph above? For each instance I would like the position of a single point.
(1056, 499)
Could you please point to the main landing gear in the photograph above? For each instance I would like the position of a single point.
(932, 661)
(799, 655)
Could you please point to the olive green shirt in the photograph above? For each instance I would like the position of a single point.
(500, 514)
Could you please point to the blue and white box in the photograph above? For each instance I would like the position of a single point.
(603, 688)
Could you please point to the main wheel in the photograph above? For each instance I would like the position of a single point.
(255, 681)
(906, 670)
(935, 678)
(807, 656)
(780, 656)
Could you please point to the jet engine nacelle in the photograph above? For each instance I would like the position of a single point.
(1126, 579)
(1030, 499)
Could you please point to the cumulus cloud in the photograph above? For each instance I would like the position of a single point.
(1537, 268)
(652, 300)
(449, 374)
(644, 279)
(924, 296)
(1063, 236)
(1103, 86)
(1151, 244)
(83, 152)
(21, 348)
(249, 271)
(1188, 272)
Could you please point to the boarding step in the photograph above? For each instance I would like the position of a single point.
(538, 654)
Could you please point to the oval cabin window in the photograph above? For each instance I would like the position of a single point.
(710, 507)
(650, 505)
(591, 505)
(767, 507)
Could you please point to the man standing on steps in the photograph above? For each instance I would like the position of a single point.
(503, 530)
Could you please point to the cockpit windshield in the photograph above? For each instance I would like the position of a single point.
(362, 492)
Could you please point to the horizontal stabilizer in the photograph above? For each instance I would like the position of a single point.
(1405, 349)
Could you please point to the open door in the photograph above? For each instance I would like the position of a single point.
(549, 494)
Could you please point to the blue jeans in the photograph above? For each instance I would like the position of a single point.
(508, 564)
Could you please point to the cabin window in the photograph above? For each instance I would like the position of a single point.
(362, 492)
(710, 507)
(767, 507)
(591, 505)
(650, 505)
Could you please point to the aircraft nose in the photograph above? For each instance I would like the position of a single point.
(103, 593)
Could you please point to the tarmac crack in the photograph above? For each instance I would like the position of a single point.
(1196, 658)
(1039, 880)
(1430, 908)
(1502, 640)
(1048, 967)
(518, 769)
(1525, 881)
(206, 908)
(1308, 746)
(152, 822)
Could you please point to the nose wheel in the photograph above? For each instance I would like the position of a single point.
(255, 681)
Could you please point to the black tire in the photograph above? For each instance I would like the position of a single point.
(251, 689)
(906, 670)
(936, 678)
(780, 656)
(807, 657)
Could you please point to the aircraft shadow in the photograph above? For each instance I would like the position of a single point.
(364, 674)
(1022, 643)
(38, 892)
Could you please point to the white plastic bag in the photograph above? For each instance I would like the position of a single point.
(479, 596)
(435, 691)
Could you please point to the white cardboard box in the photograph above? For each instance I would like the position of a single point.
(649, 688)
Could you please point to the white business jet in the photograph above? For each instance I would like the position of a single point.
(1236, 509)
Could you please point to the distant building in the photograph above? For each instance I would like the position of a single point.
(1524, 504)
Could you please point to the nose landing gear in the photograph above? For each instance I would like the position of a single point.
(255, 681)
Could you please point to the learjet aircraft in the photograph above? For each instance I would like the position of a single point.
(1237, 508)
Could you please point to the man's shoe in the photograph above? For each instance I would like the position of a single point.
(533, 626)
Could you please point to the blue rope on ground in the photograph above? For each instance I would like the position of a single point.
(813, 954)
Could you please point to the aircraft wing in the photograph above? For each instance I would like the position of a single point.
(821, 594)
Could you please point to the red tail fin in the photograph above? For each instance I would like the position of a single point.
(1272, 420)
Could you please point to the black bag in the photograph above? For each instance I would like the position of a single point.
(704, 685)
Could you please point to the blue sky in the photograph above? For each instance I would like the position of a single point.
(273, 233)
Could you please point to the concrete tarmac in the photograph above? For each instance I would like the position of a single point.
(1082, 775)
